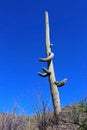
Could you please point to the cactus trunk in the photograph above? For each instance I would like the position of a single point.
(52, 79)
(50, 71)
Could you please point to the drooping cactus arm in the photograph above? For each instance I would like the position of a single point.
(45, 70)
(42, 75)
(47, 59)
(60, 83)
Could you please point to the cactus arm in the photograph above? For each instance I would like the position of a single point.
(47, 59)
(46, 71)
(60, 83)
(42, 75)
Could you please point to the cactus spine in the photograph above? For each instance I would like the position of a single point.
(50, 71)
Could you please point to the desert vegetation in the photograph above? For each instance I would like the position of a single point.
(72, 117)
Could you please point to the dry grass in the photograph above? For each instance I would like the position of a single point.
(12, 122)
(73, 117)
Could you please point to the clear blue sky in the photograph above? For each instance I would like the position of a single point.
(22, 42)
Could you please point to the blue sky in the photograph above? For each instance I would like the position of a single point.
(22, 42)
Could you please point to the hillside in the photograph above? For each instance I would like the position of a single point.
(73, 117)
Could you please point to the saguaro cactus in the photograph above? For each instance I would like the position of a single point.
(50, 70)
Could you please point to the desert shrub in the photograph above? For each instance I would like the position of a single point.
(79, 115)
(12, 122)
(82, 109)
(43, 117)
